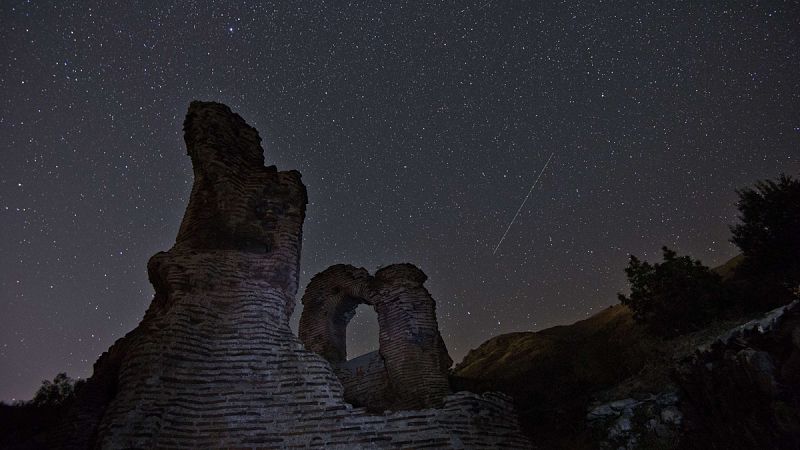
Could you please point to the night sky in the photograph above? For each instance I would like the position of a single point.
(418, 128)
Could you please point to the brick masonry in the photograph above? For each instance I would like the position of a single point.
(214, 364)
(410, 370)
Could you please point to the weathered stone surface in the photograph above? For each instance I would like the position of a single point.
(214, 363)
(410, 369)
(743, 390)
(653, 421)
(329, 302)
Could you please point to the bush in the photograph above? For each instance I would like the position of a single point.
(673, 297)
(57, 392)
(769, 238)
(25, 424)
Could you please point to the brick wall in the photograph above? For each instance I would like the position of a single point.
(214, 363)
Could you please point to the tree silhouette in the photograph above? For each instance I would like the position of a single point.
(769, 238)
(672, 297)
(57, 392)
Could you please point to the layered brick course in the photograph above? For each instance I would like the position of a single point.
(214, 363)
(410, 370)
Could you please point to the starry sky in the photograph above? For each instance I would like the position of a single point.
(419, 128)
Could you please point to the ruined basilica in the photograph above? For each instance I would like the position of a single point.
(214, 363)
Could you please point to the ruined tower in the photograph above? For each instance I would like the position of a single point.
(213, 363)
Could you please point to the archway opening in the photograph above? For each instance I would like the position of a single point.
(362, 332)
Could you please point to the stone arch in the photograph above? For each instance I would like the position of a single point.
(329, 302)
(409, 371)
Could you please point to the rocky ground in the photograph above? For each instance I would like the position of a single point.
(604, 382)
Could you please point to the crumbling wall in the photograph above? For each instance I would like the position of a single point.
(213, 363)
(410, 370)
(366, 382)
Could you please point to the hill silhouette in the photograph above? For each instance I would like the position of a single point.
(557, 374)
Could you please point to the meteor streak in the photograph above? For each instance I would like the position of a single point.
(523, 202)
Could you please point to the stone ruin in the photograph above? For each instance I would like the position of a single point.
(410, 369)
(214, 364)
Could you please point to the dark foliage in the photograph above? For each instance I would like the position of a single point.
(23, 424)
(57, 392)
(769, 237)
(673, 297)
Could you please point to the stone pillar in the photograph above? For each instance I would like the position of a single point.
(412, 348)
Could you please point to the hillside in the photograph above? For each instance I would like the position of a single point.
(552, 373)
(557, 373)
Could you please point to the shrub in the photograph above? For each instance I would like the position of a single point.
(769, 238)
(57, 392)
(25, 424)
(673, 297)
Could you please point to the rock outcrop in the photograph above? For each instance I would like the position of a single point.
(410, 368)
(649, 421)
(743, 390)
(213, 363)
